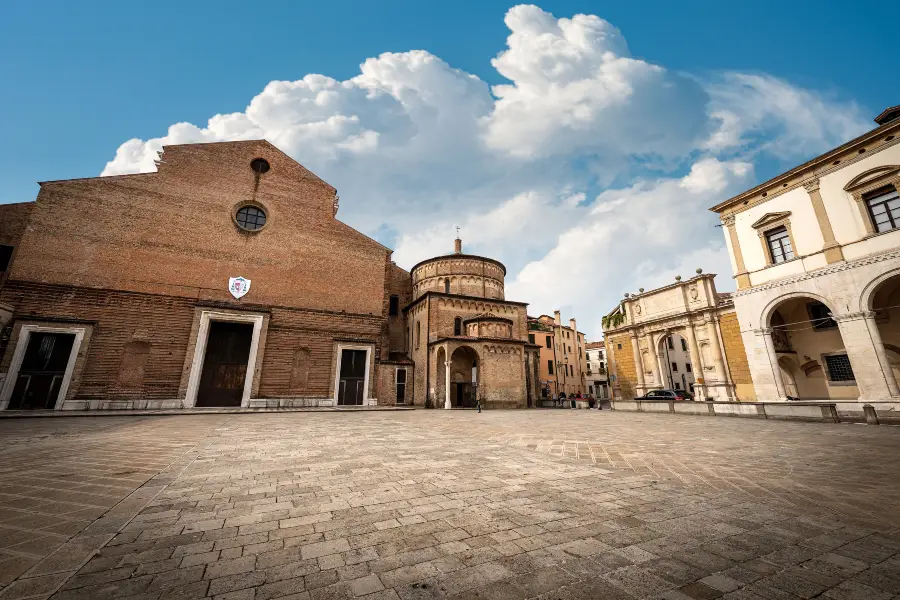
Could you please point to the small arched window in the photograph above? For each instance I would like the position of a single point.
(457, 326)
(447, 285)
(418, 333)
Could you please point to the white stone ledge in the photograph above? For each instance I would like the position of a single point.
(799, 411)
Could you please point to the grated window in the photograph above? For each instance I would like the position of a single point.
(839, 368)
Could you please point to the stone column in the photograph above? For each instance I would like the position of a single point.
(870, 377)
(448, 404)
(654, 356)
(741, 275)
(832, 249)
(773, 362)
(720, 360)
(875, 334)
(714, 342)
(638, 365)
(695, 355)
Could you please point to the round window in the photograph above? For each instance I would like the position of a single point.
(251, 218)
(260, 165)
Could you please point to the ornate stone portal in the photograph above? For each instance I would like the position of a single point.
(640, 343)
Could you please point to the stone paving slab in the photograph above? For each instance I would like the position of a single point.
(435, 504)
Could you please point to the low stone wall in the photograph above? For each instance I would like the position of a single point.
(78, 405)
(825, 412)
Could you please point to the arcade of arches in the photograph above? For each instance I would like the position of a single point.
(812, 357)
(837, 341)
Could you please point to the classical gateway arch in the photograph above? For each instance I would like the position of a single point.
(681, 336)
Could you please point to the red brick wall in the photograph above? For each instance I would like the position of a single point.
(165, 323)
(13, 220)
(397, 283)
(172, 232)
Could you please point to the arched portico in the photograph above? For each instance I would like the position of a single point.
(808, 355)
(463, 386)
(880, 310)
(457, 371)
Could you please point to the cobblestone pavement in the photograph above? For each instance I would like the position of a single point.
(550, 504)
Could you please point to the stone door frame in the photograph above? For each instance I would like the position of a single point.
(369, 349)
(196, 368)
(19, 355)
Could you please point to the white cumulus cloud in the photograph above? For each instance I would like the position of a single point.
(575, 88)
(589, 173)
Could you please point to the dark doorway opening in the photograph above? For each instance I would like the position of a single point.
(401, 386)
(351, 385)
(464, 395)
(42, 371)
(225, 364)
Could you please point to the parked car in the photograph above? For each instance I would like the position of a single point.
(678, 395)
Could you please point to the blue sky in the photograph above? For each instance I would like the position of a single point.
(80, 80)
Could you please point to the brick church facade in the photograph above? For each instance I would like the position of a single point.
(222, 279)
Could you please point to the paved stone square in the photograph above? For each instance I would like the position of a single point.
(550, 504)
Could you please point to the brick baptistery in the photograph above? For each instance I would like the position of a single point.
(225, 279)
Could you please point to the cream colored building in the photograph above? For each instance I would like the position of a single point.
(816, 256)
(644, 343)
(595, 369)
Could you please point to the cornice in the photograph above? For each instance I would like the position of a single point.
(829, 270)
(729, 204)
(694, 317)
(481, 299)
(457, 258)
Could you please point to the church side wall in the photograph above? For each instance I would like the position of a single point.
(502, 375)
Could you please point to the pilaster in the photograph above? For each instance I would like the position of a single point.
(832, 249)
(741, 275)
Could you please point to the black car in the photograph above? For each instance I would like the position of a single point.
(678, 395)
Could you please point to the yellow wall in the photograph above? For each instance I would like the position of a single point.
(736, 357)
(622, 366)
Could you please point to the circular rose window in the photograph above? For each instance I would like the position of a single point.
(250, 218)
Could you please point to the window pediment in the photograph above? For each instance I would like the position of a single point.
(771, 219)
(872, 176)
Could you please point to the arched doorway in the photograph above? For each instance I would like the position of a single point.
(810, 359)
(464, 377)
(675, 366)
(884, 302)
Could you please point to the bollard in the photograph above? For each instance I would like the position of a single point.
(871, 415)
